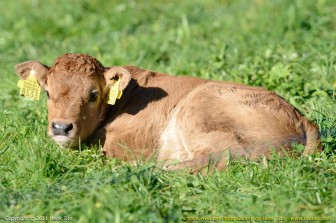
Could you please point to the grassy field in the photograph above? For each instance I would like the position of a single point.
(285, 46)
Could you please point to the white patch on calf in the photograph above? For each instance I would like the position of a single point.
(173, 145)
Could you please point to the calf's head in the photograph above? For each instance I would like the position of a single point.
(77, 87)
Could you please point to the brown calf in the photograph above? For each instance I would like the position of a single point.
(189, 120)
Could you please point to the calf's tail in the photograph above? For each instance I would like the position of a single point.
(313, 143)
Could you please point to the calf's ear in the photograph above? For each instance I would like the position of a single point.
(113, 74)
(24, 69)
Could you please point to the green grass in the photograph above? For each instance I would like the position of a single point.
(285, 46)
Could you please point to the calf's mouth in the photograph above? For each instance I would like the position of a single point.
(65, 141)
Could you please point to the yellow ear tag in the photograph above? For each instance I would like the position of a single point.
(115, 93)
(30, 88)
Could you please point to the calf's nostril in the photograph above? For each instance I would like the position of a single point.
(68, 128)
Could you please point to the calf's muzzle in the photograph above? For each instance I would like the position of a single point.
(61, 129)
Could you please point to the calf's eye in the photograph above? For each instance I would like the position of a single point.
(93, 96)
(48, 94)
